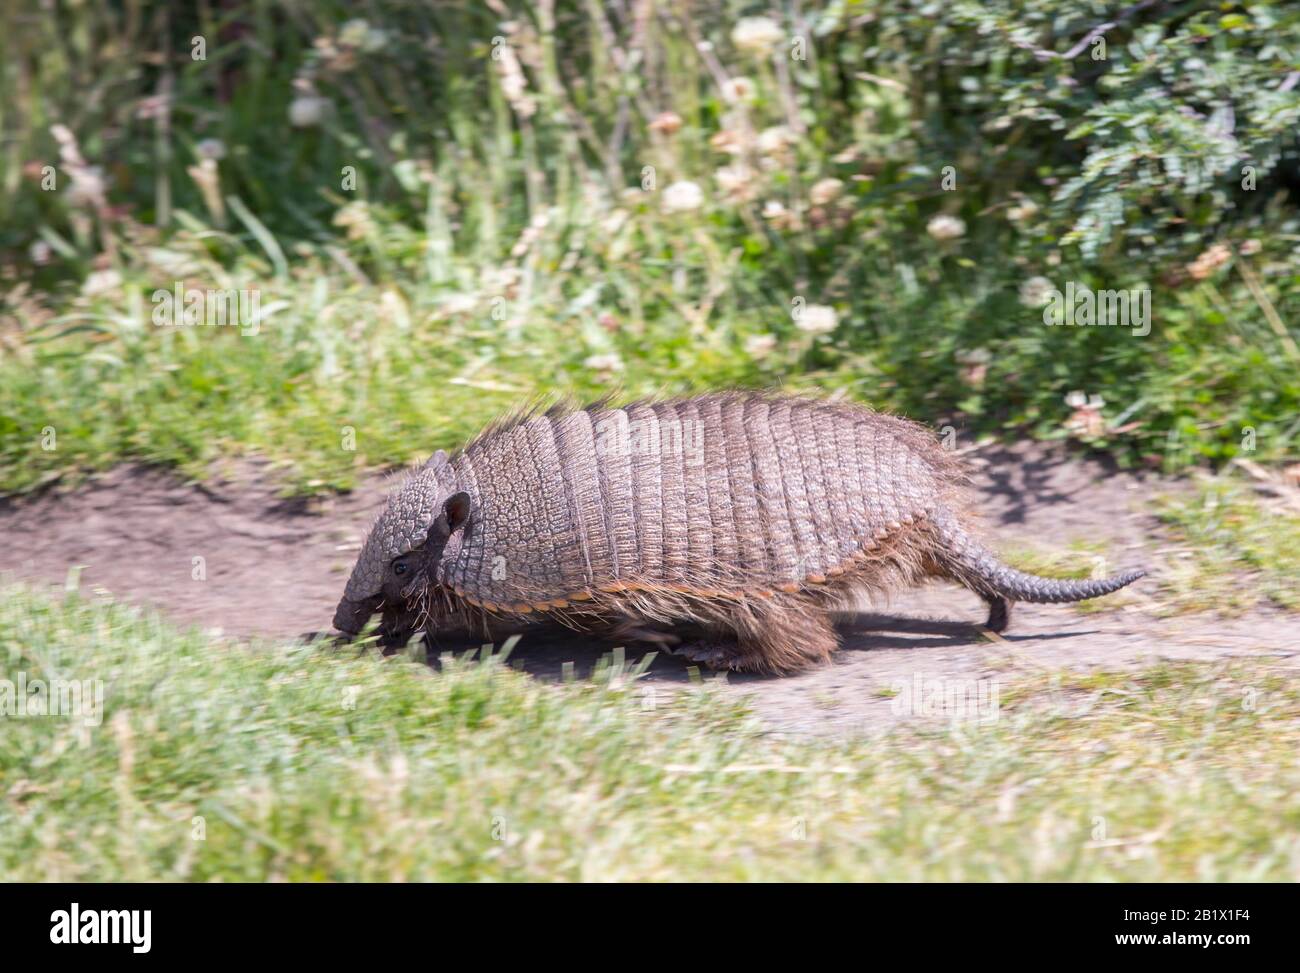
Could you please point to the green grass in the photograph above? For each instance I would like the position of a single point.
(343, 378)
(1077, 561)
(1234, 552)
(1223, 549)
(303, 763)
(1073, 563)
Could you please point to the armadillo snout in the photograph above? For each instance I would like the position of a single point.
(351, 616)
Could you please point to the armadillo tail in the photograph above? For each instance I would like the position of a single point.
(981, 569)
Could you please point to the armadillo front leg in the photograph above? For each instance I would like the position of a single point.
(719, 650)
(642, 631)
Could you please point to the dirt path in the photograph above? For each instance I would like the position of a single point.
(231, 557)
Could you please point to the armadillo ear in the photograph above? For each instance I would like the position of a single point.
(436, 460)
(457, 510)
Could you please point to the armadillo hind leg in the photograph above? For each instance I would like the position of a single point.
(766, 642)
(999, 613)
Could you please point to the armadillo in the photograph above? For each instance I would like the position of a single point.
(741, 518)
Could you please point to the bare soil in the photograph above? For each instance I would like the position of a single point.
(232, 557)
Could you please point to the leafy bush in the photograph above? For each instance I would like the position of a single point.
(858, 197)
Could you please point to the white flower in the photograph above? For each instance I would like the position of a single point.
(816, 319)
(824, 190)
(780, 217)
(353, 33)
(1081, 400)
(614, 222)
(100, 282)
(87, 186)
(358, 33)
(945, 227)
(1036, 291)
(308, 110)
(682, 197)
(68, 150)
(758, 345)
(458, 304)
(736, 90)
(214, 149)
(604, 363)
(758, 36)
(776, 140)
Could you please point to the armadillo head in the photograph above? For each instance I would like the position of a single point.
(399, 563)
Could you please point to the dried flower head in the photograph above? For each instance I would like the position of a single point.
(737, 90)
(776, 141)
(825, 191)
(1023, 211)
(666, 123)
(1209, 262)
(737, 181)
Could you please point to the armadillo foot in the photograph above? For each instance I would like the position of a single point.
(716, 653)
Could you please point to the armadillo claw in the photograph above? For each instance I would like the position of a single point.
(714, 653)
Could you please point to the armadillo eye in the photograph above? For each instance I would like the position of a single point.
(399, 568)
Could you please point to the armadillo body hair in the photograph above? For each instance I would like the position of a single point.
(744, 517)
